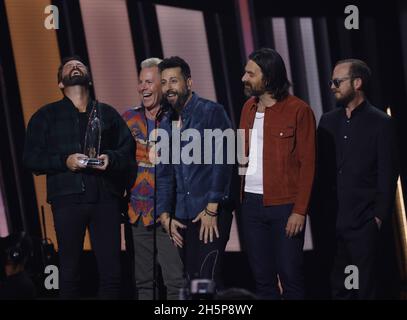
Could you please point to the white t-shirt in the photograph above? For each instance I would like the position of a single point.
(254, 175)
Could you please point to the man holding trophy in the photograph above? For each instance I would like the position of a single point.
(85, 148)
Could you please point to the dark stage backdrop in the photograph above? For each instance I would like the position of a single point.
(215, 37)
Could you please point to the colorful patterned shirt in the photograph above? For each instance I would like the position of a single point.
(141, 203)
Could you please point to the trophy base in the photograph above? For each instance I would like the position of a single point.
(93, 162)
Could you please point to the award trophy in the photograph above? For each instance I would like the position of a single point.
(92, 139)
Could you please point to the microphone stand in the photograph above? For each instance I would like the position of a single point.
(186, 289)
(157, 119)
(154, 230)
(155, 215)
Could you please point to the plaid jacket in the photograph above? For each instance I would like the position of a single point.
(53, 134)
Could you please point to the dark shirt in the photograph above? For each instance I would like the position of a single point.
(94, 189)
(348, 129)
(53, 133)
(357, 164)
(194, 185)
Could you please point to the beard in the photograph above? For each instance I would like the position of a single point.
(344, 100)
(182, 97)
(76, 80)
(251, 91)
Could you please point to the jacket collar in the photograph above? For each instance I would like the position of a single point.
(188, 109)
(69, 104)
(359, 109)
(277, 107)
(142, 110)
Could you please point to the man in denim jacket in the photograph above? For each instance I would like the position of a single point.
(196, 179)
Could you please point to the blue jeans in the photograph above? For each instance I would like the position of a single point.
(270, 251)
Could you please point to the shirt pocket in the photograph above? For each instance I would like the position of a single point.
(282, 132)
(278, 146)
(282, 138)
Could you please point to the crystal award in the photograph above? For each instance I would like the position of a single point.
(93, 138)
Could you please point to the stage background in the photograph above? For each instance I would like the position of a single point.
(215, 37)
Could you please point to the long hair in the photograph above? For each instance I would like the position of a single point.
(274, 72)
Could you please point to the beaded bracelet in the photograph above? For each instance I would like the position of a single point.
(211, 213)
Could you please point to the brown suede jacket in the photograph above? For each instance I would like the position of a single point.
(288, 151)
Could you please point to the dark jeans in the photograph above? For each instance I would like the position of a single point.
(103, 220)
(167, 257)
(358, 248)
(270, 251)
(204, 260)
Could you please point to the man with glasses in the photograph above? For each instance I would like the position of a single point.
(358, 168)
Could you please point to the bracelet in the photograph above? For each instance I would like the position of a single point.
(211, 213)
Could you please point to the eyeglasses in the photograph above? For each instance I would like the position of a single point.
(337, 82)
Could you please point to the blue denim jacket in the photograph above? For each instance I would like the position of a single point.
(190, 187)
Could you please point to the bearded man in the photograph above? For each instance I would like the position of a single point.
(358, 169)
(81, 194)
(194, 195)
(279, 141)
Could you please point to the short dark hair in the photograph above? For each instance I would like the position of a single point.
(274, 71)
(175, 62)
(358, 69)
(64, 61)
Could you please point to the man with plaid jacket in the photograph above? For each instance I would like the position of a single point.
(81, 196)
